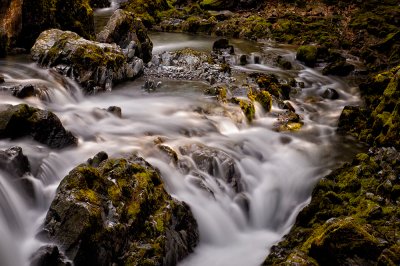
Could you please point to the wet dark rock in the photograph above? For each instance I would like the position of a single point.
(115, 110)
(222, 46)
(49, 255)
(345, 224)
(284, 63)
(151, 85)
(330, 94)
(117, 212)
(340, 68)
(216, 163)
(20, 91)
(14, 161)
(129, 33)
(94, 65)
(2, 79)
(43, 126)
(243, 60)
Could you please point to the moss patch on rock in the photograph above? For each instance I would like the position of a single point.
(117, 211)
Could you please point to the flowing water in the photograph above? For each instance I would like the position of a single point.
(278, 170)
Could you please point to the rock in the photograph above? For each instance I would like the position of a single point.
(49, 255)
(344, 223)
(2, 79)
(118, 213)
(217, 4)
(330, 94)
(340, 68)
(43, 126)
(283, 63)
(20, 91)
(115, 110)
(129, 33)
(243, 60)
(216, 163)
(222, 45)
(307, 54)
(220, 92)
(91, 64)
(14, 161)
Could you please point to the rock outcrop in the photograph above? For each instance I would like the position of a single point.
(116, 212)
(96, 66)
(43, 126)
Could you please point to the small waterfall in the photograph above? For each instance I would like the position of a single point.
(245, 198)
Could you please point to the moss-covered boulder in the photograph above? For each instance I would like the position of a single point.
(128, 32)
(96, 66)
(43, 126)
(352, 218)
(117, 212)
(308, 54)
(247, 107)
(379, 121)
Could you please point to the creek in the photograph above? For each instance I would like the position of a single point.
(277, 169)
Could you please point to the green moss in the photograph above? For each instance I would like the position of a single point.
(247, 107)
(307, 54)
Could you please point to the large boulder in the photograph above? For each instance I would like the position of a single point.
(96, 66)
(126, 30)
(352, 218)
(23, 21)
(117, 212)
(43, 126)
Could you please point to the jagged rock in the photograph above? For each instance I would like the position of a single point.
(116, 211)
(20, 91)
(14, 161)
(216, 163)
(43, 126)
(92, 64)
(129, 33)
(49, 255)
